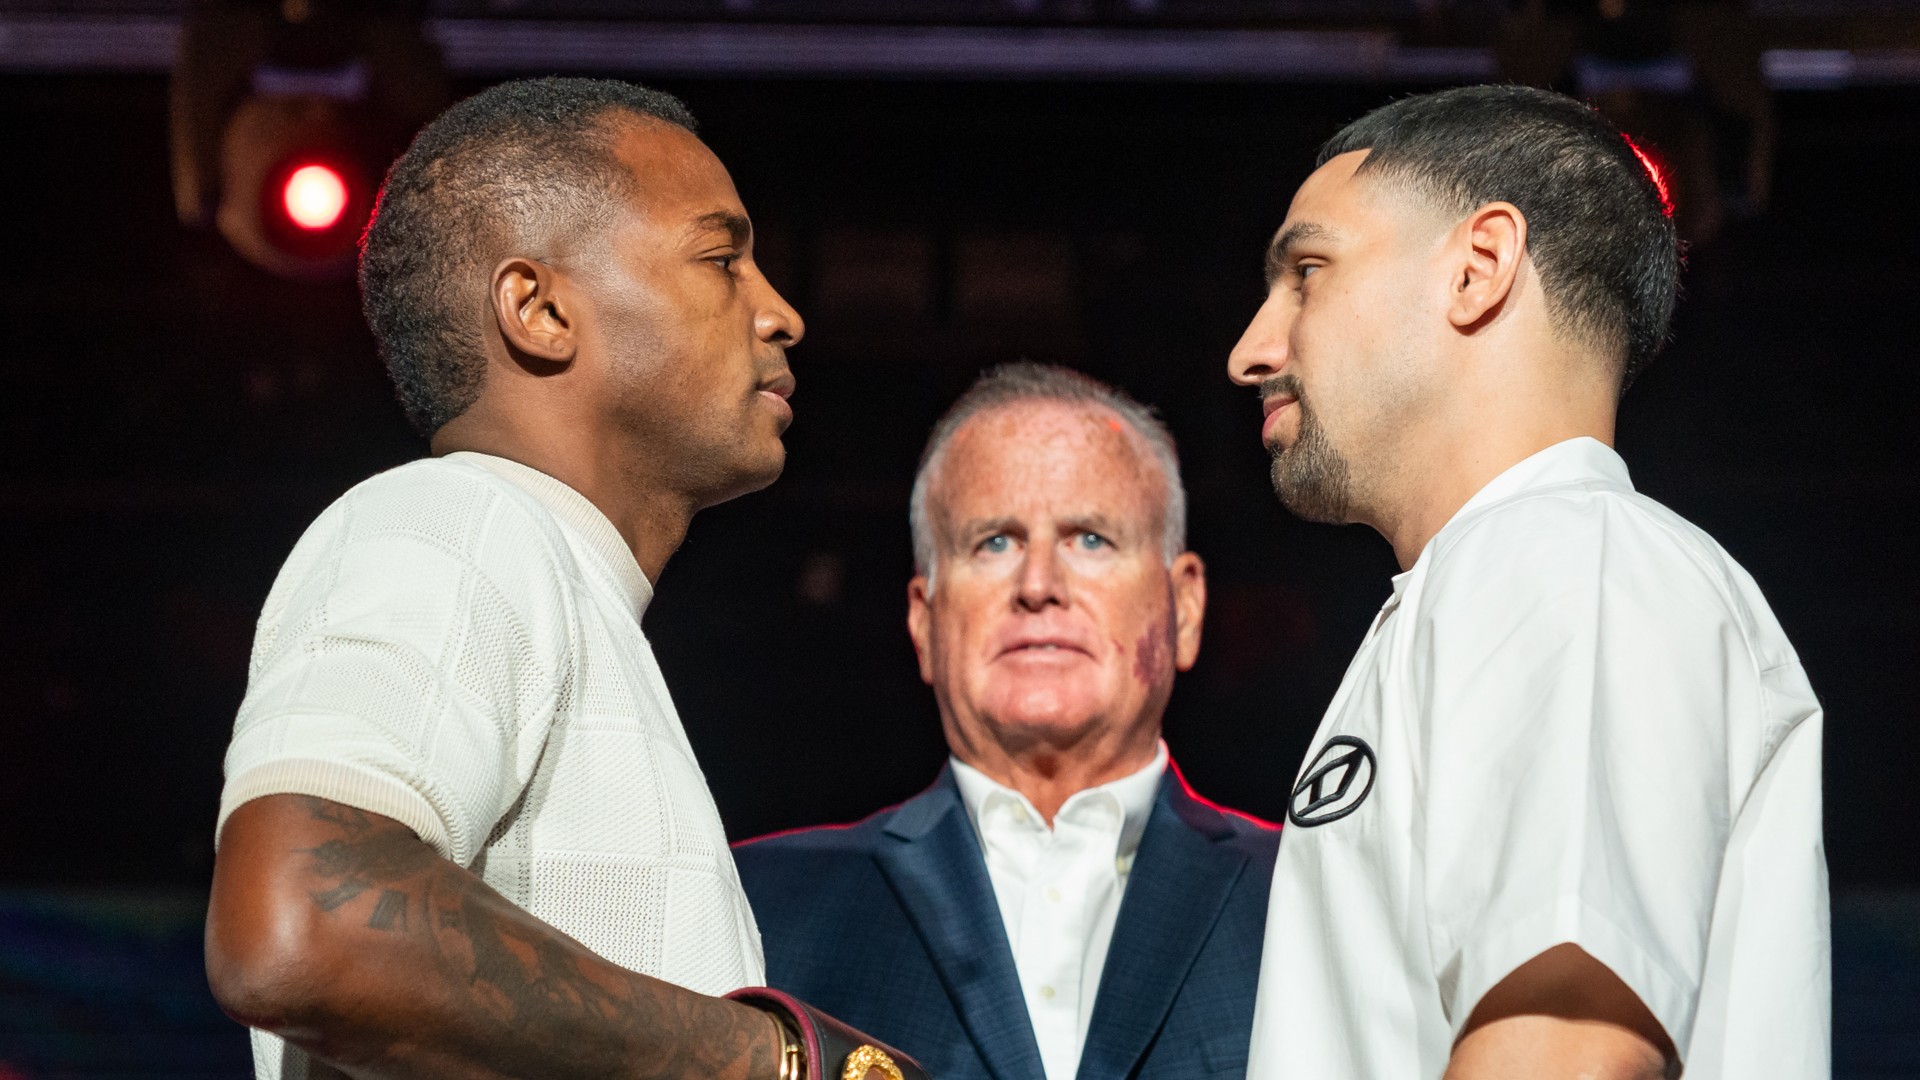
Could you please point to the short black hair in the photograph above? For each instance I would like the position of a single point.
(505, 172)
(1598, 223)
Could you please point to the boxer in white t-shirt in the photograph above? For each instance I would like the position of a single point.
(463, 832)
(1562, 818)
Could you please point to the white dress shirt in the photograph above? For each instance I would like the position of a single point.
(1575, 720)
(1059, 891)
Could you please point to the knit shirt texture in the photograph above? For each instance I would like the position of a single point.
(456, 644)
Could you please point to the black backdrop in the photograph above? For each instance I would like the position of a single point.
(170, 419)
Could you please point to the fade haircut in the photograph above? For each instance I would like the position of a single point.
(1019, 383)
(1599, 226)
(523, 168)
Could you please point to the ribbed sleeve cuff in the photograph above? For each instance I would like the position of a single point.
(350, 785)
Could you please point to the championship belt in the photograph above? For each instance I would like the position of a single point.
(818, 1047)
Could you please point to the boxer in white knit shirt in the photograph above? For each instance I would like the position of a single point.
(463, 833)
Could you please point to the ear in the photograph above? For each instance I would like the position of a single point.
(1494, 243)
(1189, 608)
(919, 626)
(532, 305)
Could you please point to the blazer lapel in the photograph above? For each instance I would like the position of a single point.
(932, 859)
(1179, 884)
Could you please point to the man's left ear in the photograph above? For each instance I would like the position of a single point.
(920, 625)
(1492, 245)
(1189, 608)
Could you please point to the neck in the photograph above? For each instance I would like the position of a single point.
(650, 516)
(1474, 446)
(1049, 774)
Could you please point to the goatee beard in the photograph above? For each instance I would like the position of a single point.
(1313, 481)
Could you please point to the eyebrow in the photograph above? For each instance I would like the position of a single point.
(737, 227)
(1099, 523)
(981, 527)
(1281, 250)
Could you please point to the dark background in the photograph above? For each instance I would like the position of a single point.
(171, 419)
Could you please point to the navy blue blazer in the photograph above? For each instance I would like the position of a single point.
(891, 925)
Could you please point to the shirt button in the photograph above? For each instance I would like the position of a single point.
(1020, 813)
(1047, 992)
(1053, 894)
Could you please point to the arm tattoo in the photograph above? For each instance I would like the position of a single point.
(391, 912)
(524, 978)
(364, 855)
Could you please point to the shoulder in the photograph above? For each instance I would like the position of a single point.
(1258, 840)
(1237, 828)
(815, 850)
(1558, 550)
(425, 542)
(792, 872)
(845, 838)
(860, 837)
(1252, 833)
(456, 505)
(822, 849)
(439, 512)
(857, 837)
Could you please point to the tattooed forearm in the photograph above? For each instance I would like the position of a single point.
(520, 996)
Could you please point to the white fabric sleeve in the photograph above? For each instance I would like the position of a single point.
(408, 662)
(1579, 671)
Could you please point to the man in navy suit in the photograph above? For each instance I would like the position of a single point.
(1058, 905)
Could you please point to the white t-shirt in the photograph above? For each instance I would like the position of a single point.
(1575, 720)
(1059, 892)
(456, 644)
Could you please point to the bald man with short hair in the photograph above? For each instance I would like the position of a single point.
(1058, 904)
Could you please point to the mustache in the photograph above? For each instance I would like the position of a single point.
(1285, 383)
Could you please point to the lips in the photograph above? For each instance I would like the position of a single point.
(774, 392)
(1273, 408)
(780, 386)
(1042, 646)
(1273, 403)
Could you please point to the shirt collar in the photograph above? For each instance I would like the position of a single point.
(577, 512)
(1134, 795)
(1581, 459)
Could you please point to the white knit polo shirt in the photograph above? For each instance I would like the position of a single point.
(456, 644)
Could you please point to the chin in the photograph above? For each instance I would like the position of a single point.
(768, 468)
(1045, 715)
(747, 477)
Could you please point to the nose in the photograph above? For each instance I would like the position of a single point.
(1043, 579)
(1261, 352)
(775, 321)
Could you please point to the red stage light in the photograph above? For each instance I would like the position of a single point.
(1655, 173)
(315, 197)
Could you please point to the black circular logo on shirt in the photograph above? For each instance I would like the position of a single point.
(1334, 785)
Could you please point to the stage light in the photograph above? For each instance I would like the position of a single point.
(296, 184)
(315, 197)
(285, 116)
